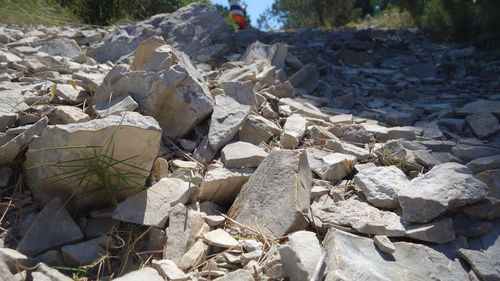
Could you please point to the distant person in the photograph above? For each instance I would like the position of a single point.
(238, 13)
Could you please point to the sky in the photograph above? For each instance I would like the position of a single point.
(254, 7)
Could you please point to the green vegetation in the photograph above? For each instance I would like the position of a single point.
(387, 159)
(46, 12)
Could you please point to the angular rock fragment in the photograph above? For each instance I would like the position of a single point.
(65, 114)
(484, 124)
(293, 131)
(306, 78)
(153, 205)
(11, 149)
(222, 185)
(220, 238)
(330, 166)
(484, 163)
(440, 231)
(384, 244)
(117, 105)
(346, 148)
(146, 273)
(257, 129)
(52, 228)
(300, 255)
(242, 155)
(446, 186)
(169, 270)
(82, 253)
(481, 263)
(275, 53)
(281, 187)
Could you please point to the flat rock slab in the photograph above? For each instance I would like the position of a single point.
(242, 155)
(152, 206)
(330, 166)
(440, 231)
(222, 185)
(380, 185)
(300, 255)
(357, 214)
(384, 244)
(11, 149)
(53, 227)
(444, 187)
(483, 124)
(484, 163)
(350, 257)
(169, 270)
(220, 238)
(82, 253)
(481, 263)
(279, 188)
(146, 273)
(293, 131)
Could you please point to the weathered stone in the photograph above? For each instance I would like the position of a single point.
(130, 136)
(480, 106)
(481, 263)
(82, 253)
(346, 148)
(62, 47)
(385, 133)
(251, 245)
(469, 227)
(220, 238)
(99, 227)
(146, 273)
(446, 186)
(51, 258)
(384, 244)
(486, 209)
(195, 255)
(240, 93)
(70, 94)
(257, 129)
(11, 149)
(227, 119)
(281, 187)
(355, 58)
(242, 155)
(293, 131)
(222, 185)
(65, 114)
(214, 220)
(153, 205)
(357, 214)
(490, 177)
(440, 231)
(300, 255)
(184, 227)
(160, 168)
(52, 228)
(484, 163)
(11, 258)
(7, 120)
(351, 257)
(330, 166)
(304, 108)
(306, 78)
(181, 164)
(275, 53)
(165, 87)
(400, 118)
(381, 185)
(472, 152)
(240, 275)
(117, 105)
(46, 273)
(483, 124)
(169, 270)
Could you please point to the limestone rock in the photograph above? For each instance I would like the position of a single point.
(227, 119)
(306, 78)
(11, 149)
(481, 264)
(64, 114)
(484, 163)
(257, 129)
(300, 255)
(293, 131)
(220, 238)
(346, 148)
(62, 47)
(440, 231)
(52, 228)
(380, 185)
(242, 155)
(384, 244)
(169, 270)
(275, 53)
(484, 124)
(153, 205)
(330, 166)
(492, 179)
(281, 187)
(130, 136)
(350, 257)
(480, 106)
(146, 273)
(240, 275)
(117, 105)
(446, 186)
(222, 185)
(82, 253)
(472, 152)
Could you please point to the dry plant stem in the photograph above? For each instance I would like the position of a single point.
(131, 248)
(18, 184)
(181, 151)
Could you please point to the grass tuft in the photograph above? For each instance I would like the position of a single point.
(45, 12)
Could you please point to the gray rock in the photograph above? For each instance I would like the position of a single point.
(275, 53)
(184, 227)
(257, 129)
(346, 148)
(484, 163)
(446, 186)
(13, 258)
(62, 47)
(490, 177)
(306, 78)
(226, 121)
(237, 275)
(99, 227)
(222, 185)
(242, 155)
(472, 152)
(52, 258)
(169, 270)
(300, 255)
(281, 187)
(350, 257)
(400, 118)
(7, 120)
(82, 253)
(486, 209)
(241, 93)
(304, 108)
(46, 273)
(118, 105)
(385, 133)
(469, 227)
(293, 131)
(130, 136)
(163, 89)
(153, 205)
(384, 244)
(65, 114)
(481, 264)
(220, 238)
(52, 228)
(11, 149)
(381, 185)
(146, 273)
(440, 231)
(5, 174)
(192, 257)
(483, 124)
(69, 94)
(480, 106)
(357, 214)
(330, 166)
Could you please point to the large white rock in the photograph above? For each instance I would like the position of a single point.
(276, 197)
(153, 205)
(257, 129)
(380, 185)
(132, 138)
(300, 255)
(222, 185)
(444, 187)
(293, 131)
(242, 155)
(330, 166)
(353, 258)
(165, 85)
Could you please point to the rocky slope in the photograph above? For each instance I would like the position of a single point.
(176, 149)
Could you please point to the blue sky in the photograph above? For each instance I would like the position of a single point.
(254, 9)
